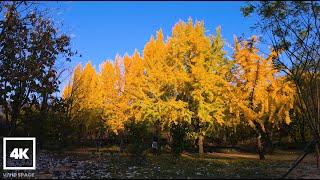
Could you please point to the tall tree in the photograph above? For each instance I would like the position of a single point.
(293, 29)
(160, 105)
(110, 88)
(265, 97)
(84, 97)
(29, 48)
(201, 64)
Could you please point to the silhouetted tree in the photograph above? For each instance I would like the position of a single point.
(30, 45)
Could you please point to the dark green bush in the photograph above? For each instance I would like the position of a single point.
(139, 137)
(179, 134)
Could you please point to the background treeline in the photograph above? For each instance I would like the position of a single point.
(182, 89)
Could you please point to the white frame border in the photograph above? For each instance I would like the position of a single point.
(33, 139)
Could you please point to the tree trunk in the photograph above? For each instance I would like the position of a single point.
(13, 124)
(121, 142)
(157, 130)
(302, 133)
(169, 138)
(200, 144)
(7, 119)
(157, 136)
(260, 147)
(317, 153)
(269, 139)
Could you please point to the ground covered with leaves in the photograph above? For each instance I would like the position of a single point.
(103, 163)
(90, 163)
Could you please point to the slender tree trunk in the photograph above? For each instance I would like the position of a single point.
(157, 134)
(260, 147)
(157, 130)
(43, 117)
(121, 142)
(168, 137)
(225, 138)
(6, 110)
(269, 139)
(318, 153)
(303, 137)
(13, 123)
(302, 132)
(7, 119)
(200, 144)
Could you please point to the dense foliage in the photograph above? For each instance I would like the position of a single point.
(185, 86)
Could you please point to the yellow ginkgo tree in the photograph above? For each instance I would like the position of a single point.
(185, 79)
(111, 89)
(161, 106)
(122, 83)
(264, 97)
(84, 96)
(200, 59)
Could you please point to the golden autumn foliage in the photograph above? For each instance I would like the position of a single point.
(264, 96)
(84, 96)
(112, 87)
(163, 80)
(185, 78)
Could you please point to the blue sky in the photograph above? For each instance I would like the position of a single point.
(100, 30)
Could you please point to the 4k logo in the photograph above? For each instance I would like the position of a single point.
(19, 153)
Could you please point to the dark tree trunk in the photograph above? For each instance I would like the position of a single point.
(44, 117)
(121, 142)
(157, 136)
(13, 124)
(260, 145)
(157, 130)
(302, 132)
(200, 144)
(318, 153)
(269, 139)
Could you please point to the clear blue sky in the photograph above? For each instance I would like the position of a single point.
(100, 30)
